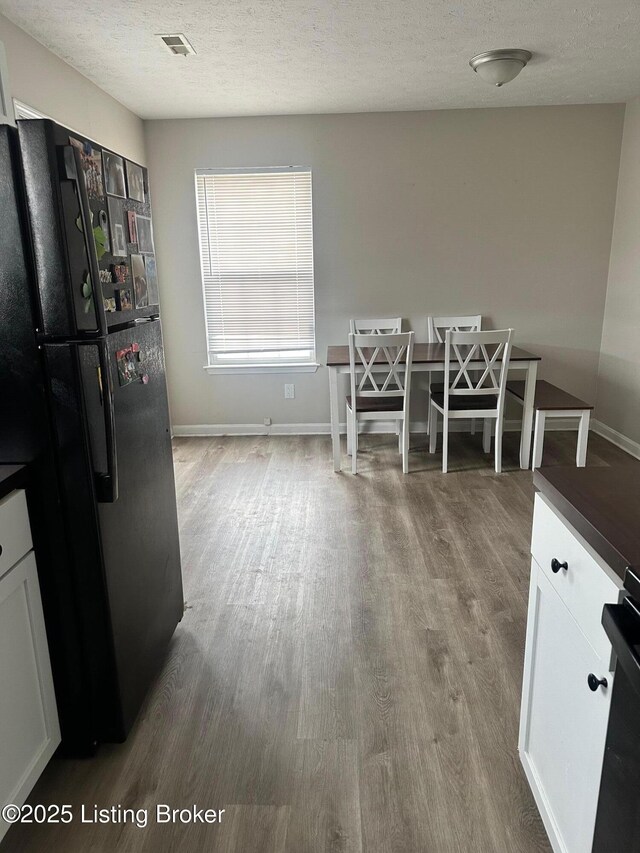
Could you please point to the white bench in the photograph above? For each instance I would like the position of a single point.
(552, 402)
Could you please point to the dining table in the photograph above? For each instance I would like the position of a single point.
(429, 358)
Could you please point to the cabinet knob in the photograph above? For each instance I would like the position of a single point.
(556, 565)
(594, 682)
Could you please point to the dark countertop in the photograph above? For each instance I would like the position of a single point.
(603, 505)
(12, 477)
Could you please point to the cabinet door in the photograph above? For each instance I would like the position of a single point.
(563, 722)
(29, 730)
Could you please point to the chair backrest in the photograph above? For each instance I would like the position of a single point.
(387, 326)
(437, 327)
(380, 366)
(490, 351)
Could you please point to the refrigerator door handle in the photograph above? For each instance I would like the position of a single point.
(106, 482)
(73, 168)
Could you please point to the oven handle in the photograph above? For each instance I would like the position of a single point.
(622, 624)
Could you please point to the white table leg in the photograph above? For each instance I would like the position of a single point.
(538, 439)
(583, 438)
(527, 413)
(335, 419)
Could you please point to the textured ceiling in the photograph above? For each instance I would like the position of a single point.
(259, 57)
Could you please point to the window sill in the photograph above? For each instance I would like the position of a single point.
(227, 369)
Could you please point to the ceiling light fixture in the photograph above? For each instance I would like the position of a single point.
(500, 66)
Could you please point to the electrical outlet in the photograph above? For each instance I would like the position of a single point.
(267, 421)
(289, 392)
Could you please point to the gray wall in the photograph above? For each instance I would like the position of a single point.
(48, 84)
(507, 213)
(619, 374)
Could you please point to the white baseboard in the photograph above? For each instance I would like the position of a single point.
(617, 438)
(250, 429)
(181, 430)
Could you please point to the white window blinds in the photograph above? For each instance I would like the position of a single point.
(256, 249)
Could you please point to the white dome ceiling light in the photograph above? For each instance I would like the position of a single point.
(500, 66)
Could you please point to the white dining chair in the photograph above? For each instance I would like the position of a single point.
(378, 326)
(437, 328)
(380, 374)
(387, 326)
(472, 392)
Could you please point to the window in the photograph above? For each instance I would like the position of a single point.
(256, 251)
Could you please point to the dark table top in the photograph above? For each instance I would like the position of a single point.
(603, 505)
(338, 356)
(12, 477)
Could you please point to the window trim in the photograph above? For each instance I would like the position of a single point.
(256, 366)
(285, 367)
(24, 112)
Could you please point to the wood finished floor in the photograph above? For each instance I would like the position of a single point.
(347, 674)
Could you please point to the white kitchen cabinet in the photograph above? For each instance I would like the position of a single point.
(563, 721)
(585, 585)
(29, 729)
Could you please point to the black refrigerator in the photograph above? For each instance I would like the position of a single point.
(82, 380)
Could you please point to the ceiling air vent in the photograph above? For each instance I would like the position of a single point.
(177, 44)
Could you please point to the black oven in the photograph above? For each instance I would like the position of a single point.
(617, 827)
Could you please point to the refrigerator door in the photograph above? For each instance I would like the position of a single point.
(85, 602)
(139, 531)
(66, 267)
(130, 585)
(83, 289)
